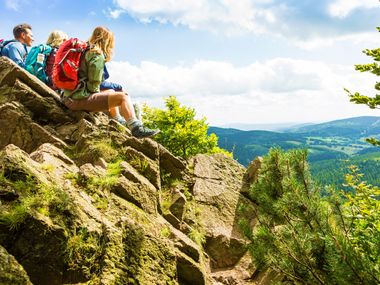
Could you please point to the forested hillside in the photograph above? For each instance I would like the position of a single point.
(331, 146)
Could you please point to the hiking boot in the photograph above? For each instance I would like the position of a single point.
(140, 132)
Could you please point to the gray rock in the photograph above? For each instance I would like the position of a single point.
(11, 272)
(178, 205)
(17, 127)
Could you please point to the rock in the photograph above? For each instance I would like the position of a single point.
(181, 241)
(178, 205)
(217, 195)
(7, 193)
(15, 164)
(88, 171)
(172, 220)
(189, 272)
(251, 175)
(144, 165)
(17, 128)
(11, 272)
(44, 109)
(242, 273)
(171, 164)
(225, 251)
(10, 72)
(39, 247)
(72, 221)
(142, 195)
(146, 146)
(55, 160)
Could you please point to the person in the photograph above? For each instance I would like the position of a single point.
(17, 50)
(55, 39)
(88, 96)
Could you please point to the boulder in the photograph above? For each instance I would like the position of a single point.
(144, 165)
(171, 164)
(44, 109)
(11, 272)
(11, 72)
(251, 175)
(17, 127)
(54, 159)
(143, 195)
(39, 247)
(189, 272)
(217, 195)
(177, 207)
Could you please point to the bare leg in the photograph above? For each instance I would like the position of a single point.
(123, 101)
(113, 111)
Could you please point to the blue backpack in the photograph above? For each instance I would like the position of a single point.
(3, 43)
(35, 61)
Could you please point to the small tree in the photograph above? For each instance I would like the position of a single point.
(371, 102)
(180, 132)
(307, 238)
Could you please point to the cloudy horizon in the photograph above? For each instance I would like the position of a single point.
(246, 61)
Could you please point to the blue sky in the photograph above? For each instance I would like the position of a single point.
(246, 61)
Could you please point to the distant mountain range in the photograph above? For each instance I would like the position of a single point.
(264, 127)
(327, 143)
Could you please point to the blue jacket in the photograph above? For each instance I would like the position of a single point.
(16, 51)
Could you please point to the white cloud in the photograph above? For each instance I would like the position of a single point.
(229, 16)
(362, 39)
(13, 4)
(114, 14)
(342, 8)
(278, 90)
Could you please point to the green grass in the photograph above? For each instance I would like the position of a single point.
(44, 199)
(84, 251)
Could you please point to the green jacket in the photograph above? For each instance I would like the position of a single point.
(90, 74)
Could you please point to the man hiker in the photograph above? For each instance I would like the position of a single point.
(16, 49)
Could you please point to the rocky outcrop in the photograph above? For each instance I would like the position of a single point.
(218, 181)
(11, 272)
(82, 201)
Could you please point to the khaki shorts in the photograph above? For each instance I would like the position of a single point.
(96, 102)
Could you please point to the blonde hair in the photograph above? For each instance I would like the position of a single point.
(56, 38)
(102, 41)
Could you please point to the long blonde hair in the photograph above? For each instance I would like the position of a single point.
(102, 41)
(56, 38)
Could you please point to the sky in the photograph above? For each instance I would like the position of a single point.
(234, 61)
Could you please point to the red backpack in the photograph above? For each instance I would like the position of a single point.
(66, 64)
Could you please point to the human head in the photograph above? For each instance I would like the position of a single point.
(56, 38)
(23, 33)
(102, 40)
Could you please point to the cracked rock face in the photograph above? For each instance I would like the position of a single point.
(80, 200)
(218, 181)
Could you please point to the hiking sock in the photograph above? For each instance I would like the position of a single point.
(120, 119)
(137, 108)
(133, 122)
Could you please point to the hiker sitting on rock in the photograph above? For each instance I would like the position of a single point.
(55, 39)
(16, 49)
(87, 96)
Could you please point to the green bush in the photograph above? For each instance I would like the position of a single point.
(181, 133)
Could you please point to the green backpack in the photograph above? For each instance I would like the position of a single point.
(35, 61)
